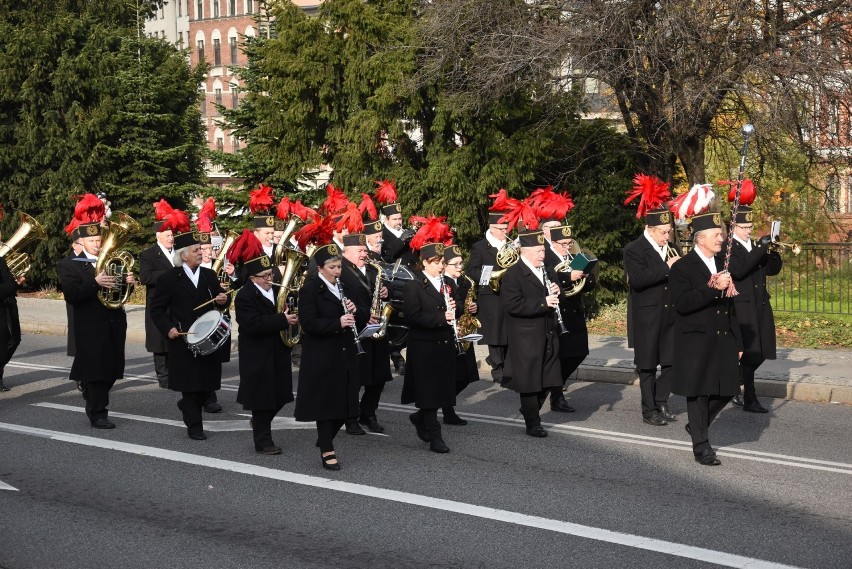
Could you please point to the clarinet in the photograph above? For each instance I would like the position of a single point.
(343, 300)
(446, 292)
(562, 328)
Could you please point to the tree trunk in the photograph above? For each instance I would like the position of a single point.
(691, 154)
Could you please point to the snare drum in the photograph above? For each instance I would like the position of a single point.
(208, 333)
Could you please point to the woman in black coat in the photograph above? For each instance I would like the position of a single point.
(466, 368)
(328, 372)
(266, 377)
(174, 308)
(430, 373)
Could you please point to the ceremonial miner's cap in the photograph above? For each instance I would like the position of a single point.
(354, 240)
(560, 233)
(178, 222)
(387, 196)
(88, 216)
(709, 220)
(653, 193)
(261, 201)
(162, 209)
(494, 217)
(693, 203)
(549, 205)
(451, 252)
(433, 231)
(206, 215)
(748, 193)
(248, 251)
(531, 238)
(326, 253)
(430, 250)
(372, 228)
(745, 215)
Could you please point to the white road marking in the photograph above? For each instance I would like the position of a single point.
(4, 486)
(589, 532)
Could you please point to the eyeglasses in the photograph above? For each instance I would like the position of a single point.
(459, 265)
(267, 277)
(503, 229)
(746, 227)
(662, 231)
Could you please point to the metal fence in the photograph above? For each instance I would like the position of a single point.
(817, 280)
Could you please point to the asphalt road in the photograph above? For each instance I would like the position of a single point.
(603, 490)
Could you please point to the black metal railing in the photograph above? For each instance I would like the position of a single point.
(817, 280)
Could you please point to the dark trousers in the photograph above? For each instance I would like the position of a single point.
(210, 397)
(701, 411)
(655, 389)
(326, 431)
(370, 399)
(460, 385)
(749, 393)
(430, 422)
(261, 421)
(531, 405)
(161, 367)
(96, 394)
(567, 366)
(191, 406)
(496, 359)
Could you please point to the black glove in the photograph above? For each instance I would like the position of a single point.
(764, 241)
(407, 235)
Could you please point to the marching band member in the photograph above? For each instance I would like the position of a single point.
(395, 239)
(532, 359)
(751, 262)
(266, 377)
(153, 262)
(10, 324)
(100, 330)
(183, 294)
(374, 235)
(706, 340)
(260, 202)
(650, 313)
(328, 374)
(359, 282)
(76, 251)
(466, 369)
(430, 374)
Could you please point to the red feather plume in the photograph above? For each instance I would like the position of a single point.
(89, 209)
(351, 220)
(651, 191)
(385, 192)
(206, 215)
(303, 212)
(317, 233)
(177, 221)
(433, 230)
(368, 206)
(284, 209)
(261, 199)
(501, 201)
(519, 212)
(549, 204)
(245, 248)
(162, 208)
(335, 202)
(72, 225)
(747, 193)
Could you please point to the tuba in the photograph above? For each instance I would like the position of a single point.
(507, 256)
(280, 255)
(378, 310)
(218, 264)
(468, 323)
(29, 230)
(116, 263)
(291, 282)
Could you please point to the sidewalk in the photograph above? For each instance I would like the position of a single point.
(800, 374)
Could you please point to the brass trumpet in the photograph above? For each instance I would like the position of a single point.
(29, 230)
(780, 246)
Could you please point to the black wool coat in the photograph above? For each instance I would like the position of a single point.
(328, 372)
(152, 263)
(394, 248)
(174, 306)
(70, 348)
(650, 313)
(576, 342)
(754, 313)
(430, 368)
(466, 368)
(374, 365)
(10, 325)
(266, 375)
(532, 358)
(99, 331)
(707, 338)
(492, 315)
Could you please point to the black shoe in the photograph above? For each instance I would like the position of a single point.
(656, 419)
(213, 407)
(3, 386)
(372, 424)
(272, 449)
(79, 386)
(198, 436)
(560, 405)
(536, 431)
(164, 383)
(330, 465)
(437, 444)
(353, 428)
(755, 407)
(663, 410)
(103, 423)
(398, 365)
(708, 458)
(738, 401)
(688, 430)
(497, 374)
(450, 417)
(417, 421)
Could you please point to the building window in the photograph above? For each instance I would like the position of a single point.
(232, 7)
(199, 12)
(200, 50)
(849, 194)
(217, 52)
(235, 97)
(203, 105)
(832, 194)
(215, 8)
(235, 143)
(220, 144)
(249, 6)
(833, 117)
(180, 7)
(233, 46)
(180, 40)
(218, 97)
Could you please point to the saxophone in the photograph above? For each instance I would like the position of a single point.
(468, 323)
(378, 310)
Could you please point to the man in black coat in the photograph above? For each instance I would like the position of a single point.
(373, 231)
(531, 298)
(751, 262)
(574, 344)
(707, 343)
(492, 315)
(10, 324)
(396, 247)
(359, 281)
(650, 315)
(153, 262)
(99, 331)
(177, 304)
(266, 376)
